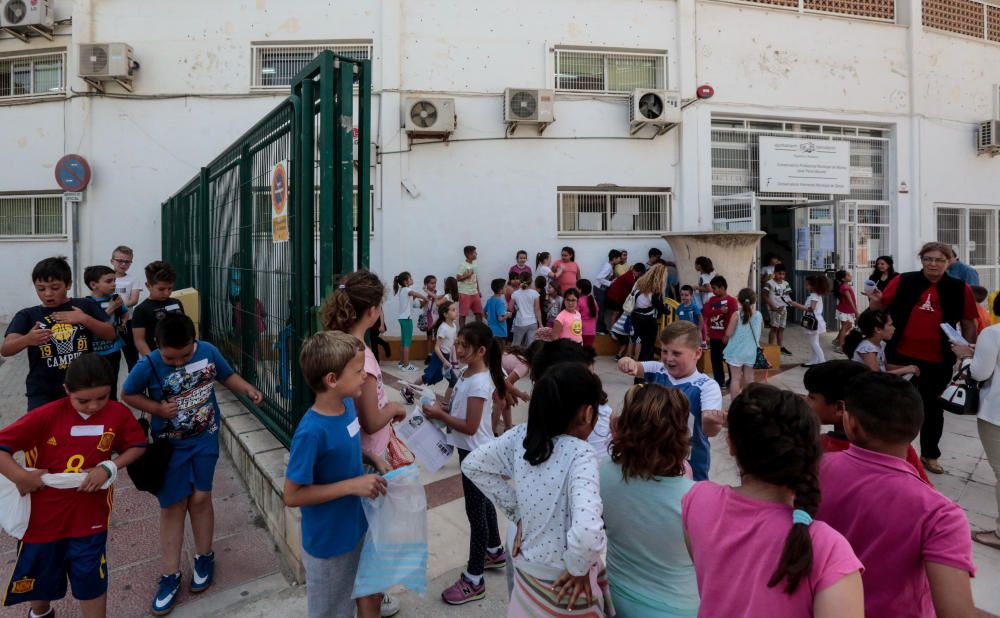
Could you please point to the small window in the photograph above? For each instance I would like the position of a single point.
(583, 211)
(274, 66)
(609, 72)
(29, 216)
(32, 75)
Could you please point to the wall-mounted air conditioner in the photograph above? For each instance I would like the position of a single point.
(429, 116)
(528, 106)
(101, 62)
(657, 108)
(20, 18)
(988, 138)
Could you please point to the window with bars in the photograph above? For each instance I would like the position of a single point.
(584, 210)
(32, 75)
(974, 18)
(275, 65)
(973, 232)
(609, 72)
(870, 9)
(32, 216)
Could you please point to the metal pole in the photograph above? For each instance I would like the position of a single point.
(343, 138)
(204, 281)
(364, 162)
(327, 122)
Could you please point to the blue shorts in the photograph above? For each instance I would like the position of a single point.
(434, 372)
(192, 466)
(42, 570)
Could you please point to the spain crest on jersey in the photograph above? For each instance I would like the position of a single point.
(107, 439)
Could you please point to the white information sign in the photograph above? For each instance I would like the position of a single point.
(792, 165)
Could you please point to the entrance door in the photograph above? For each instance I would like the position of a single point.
(862, 236)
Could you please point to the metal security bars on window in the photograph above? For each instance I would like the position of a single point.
(975, 18)
(32, 216)
(274, 66)
(32, 75)
(597, 72)
(973, 232)
(614, 212)
(883, 10)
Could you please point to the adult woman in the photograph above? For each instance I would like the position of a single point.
(648, 306)
(566, 272)
(919, 303)
(884, 272)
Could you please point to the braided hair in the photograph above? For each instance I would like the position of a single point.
(775, 438)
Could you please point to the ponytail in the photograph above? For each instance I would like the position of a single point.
(838, 280)
(586, 289)
(479, 335)
(747, 299)
(540, 257)
(399, 280)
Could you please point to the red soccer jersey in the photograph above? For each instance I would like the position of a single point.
(922, 337)
(56, 438)
(715, 318)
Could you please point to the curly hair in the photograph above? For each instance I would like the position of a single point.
(654, 281)
(775, 438)
(651, 433)
(356, 293)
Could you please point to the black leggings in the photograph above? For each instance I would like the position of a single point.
(378, 341)
(645, 330)
(483, 529)
(715, 349)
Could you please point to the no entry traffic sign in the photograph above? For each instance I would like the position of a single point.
(72, 173)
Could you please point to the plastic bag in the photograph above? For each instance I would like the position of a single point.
(395, 549)
(15, 509)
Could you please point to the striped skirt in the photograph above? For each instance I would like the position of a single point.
(535, 598)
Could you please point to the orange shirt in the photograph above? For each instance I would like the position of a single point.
(984, 319)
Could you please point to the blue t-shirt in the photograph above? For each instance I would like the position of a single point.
(688, 313)
(192, 386)
(496, 307)
(327, 449)
(103, 346)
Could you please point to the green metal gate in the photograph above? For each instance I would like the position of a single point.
(258, 297)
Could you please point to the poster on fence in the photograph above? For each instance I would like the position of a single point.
(279, 202)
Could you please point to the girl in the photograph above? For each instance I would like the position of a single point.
(566, 272)
(555, 498)
(542, 264)
(587, 306)
(847, 305)
(624, 266)
(405, 299)
(761, 533)
(527, 312)
(471, 421)
(648, 306)
(429, 311)
(743, 337)
(649, 568)
(706, 271)
(817, 286)
(883, 273)
(866, 343)
(450, 291)
(521, 267)
(516, 363)
(554, 302)
(441, 364)
(568, 324)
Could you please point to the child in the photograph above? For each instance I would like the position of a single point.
(429, 311)
(543, 260)
(496, 309)
(471, 421)
(825, 386)
(516, 364)
(513, 283)
(717, 313)
(440, 366)
(688, 310)
(620, 289)
(649, 569)
(743, 341)
(648, 307)
(101, 281)
(980, 293)
(557, 504)
(777, 293)
(375, 337)
(325, 475)
(54, 332)
(866, 343)
(761, 533)
(817, 286)
(601, 284)
(587, 306)
(623, 333)
(528, 312)
(128, 291)
(521, 267)
(706, 273)
(623, 266)
(404, 299)
(469, 296)
(566, 272)
(450, 291)
(68, 529)
(680, 349)
(554, 303)
(847, 305)
(918, 569)
(178, 378)
(160, 278)
(569, 323)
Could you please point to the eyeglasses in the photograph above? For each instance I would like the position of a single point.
(117, 261)
(930, 260)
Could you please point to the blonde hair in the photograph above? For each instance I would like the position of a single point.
(327, 352)
(123, 250)
(685, 332)
(654, 281)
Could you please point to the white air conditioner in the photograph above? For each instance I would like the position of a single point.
(26, 13)
(988, 138)
(659, 108)
(429, 116)
(529, 105)
(107, 61)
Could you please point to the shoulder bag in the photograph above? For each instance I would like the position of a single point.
(809, 321)
(961, 396)
(761, 361)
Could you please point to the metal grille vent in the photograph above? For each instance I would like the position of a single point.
(423, 114)
(650, 106)
(98, 59)
(523, 104)
(15, 11)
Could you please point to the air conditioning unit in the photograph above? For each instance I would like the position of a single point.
(659, 108)
(988, 138)
(24, 14)
(529, 106)
(429, 116)
(107, 61)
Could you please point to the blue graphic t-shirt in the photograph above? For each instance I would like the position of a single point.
(688, 313)
(496, 307)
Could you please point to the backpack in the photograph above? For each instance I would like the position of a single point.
(629, 305)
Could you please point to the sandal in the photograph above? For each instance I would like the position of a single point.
(988, 538)
(932, 465)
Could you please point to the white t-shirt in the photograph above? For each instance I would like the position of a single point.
(524, 301)
(543, 271)
(777, 293)
(447, 336)
(477, 385)
(706, 279)
(867, 347)
(818, 309)
(403, 303)
(123, 288)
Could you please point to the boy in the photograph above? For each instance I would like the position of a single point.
(496, 309)
(179, 378)
(913, 541)
(980, 293)
(469, 297)
(777, 291)
(688, 311)
(325, 476)
(680, 349)
(101, 281)
(55, 332)
(160, 278)
(125, 288)
(68, 528)
(601, 284)
(717, 312)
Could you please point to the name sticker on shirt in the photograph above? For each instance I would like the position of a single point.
(174, 307)
(86, 430)
(353, 428)
(196, 367)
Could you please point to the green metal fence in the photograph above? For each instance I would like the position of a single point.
(258, 298)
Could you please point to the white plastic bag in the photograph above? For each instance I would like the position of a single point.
(15, 509)
(395, 549)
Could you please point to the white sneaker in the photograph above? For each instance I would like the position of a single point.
(408, 368)
(390, 605)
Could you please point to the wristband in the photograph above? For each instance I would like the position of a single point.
(112, 471)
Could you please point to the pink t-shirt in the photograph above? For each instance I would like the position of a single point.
(736, 543)
(589, 319)
(512, 363)
(376, 443)
(895, 523)
(572, 325)
(569, 277)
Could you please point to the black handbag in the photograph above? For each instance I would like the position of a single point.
(761, 361)
(149, 471)
(809, 321)
(961, 396)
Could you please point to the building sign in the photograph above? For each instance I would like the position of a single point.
(791, 165)
(279, 202)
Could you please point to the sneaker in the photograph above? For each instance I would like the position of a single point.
(786, 351)
(166, 594)
(201, 574)
(463, 591)
(410, 367)
(390, 605)
(49, 614)
(497, 560)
